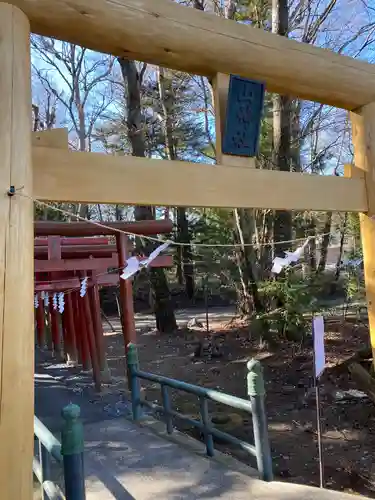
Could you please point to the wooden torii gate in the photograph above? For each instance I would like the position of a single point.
(41, 166)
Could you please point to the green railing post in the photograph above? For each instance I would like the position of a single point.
(135, 387)
(208, 439)
(256, 391)
(167, 408)
(45, 467)
(72, 447)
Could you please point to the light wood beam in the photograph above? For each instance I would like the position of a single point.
(220, 93)
(52, 138)
(16, 260)
(98, 178)
(165, 33)
(363, 136)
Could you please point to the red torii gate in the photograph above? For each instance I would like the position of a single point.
(62, 260)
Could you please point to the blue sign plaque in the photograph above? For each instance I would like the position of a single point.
(243, 120)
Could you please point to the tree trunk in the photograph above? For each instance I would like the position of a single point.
(186, 253)
(281, 132)
(83, 210)
(179, 258)
(164, 312)
(245, 304)
(167, 100)
(341, 249)
(295, 139)
(118, 213)
(311, 246)
(325, 243)
(251, 297)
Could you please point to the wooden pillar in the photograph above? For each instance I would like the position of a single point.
(85, 351)
(16, 260)
(55, 330)
(363, 127)
(98, 327)
(220, 91)
(126, 294)
(39, 313)
(77, 326)
(54, 253)
(68, 344)
(72, 355)
(48, 329)
(91, 341)
(65, 340)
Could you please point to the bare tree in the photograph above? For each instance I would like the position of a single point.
(78, 79)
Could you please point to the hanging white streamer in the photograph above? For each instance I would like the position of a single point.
(54, 301)
(133, 265)
(61, 302)
(83, 289)
(280, 262)
(46, 299)
(36, 301)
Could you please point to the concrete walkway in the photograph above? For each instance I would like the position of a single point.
(125, 461)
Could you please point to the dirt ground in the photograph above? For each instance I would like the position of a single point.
(348, 424)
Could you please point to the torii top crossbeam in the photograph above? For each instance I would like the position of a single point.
(163, 32)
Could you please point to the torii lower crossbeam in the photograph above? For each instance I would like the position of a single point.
(62, 175)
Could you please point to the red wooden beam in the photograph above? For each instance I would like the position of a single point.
(100, 265)
(70, 284)
(75, 251)
(147, 227)
(74, 241)
(57, 286)
(43, 266)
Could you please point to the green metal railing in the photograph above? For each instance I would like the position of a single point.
(68, 455)
(255, 406)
